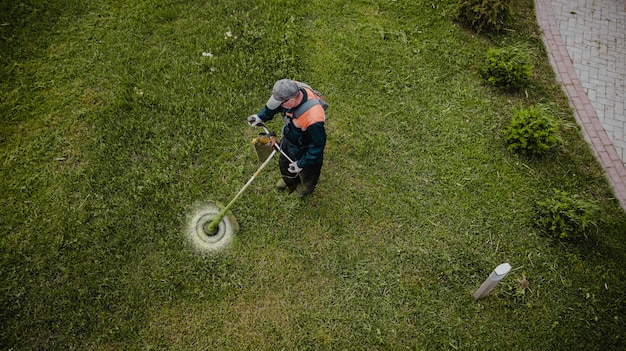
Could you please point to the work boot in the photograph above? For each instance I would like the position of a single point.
(306, 189)
(281, 185)
(302, 191)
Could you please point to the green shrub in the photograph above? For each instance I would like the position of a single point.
(532, 130)
(565, 216)
(489, 15)
(508, 68)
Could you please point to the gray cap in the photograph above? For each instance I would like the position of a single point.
(283, 90)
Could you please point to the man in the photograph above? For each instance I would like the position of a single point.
(304, 135)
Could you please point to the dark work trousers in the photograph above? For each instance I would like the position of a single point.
(308, 177)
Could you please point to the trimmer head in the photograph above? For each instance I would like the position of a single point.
(211, 240)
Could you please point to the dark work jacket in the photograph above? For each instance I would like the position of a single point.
(306, 147)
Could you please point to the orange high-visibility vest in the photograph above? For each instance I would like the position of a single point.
(309, 112)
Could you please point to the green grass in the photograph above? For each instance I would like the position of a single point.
(115, 126)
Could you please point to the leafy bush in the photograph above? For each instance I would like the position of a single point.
(532, 130)
(508, 68)
(565, 216)
(489, 15)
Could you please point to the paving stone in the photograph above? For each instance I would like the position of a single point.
(586, 43)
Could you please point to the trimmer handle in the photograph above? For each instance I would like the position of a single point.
(263, 126)
(275, 146)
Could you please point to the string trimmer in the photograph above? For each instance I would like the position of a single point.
(260, 144)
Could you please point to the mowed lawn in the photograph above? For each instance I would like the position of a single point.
(120, 119)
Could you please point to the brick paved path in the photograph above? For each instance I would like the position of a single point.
(585, 40)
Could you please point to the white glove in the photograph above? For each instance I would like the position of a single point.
(254, 120)
(293, 168)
